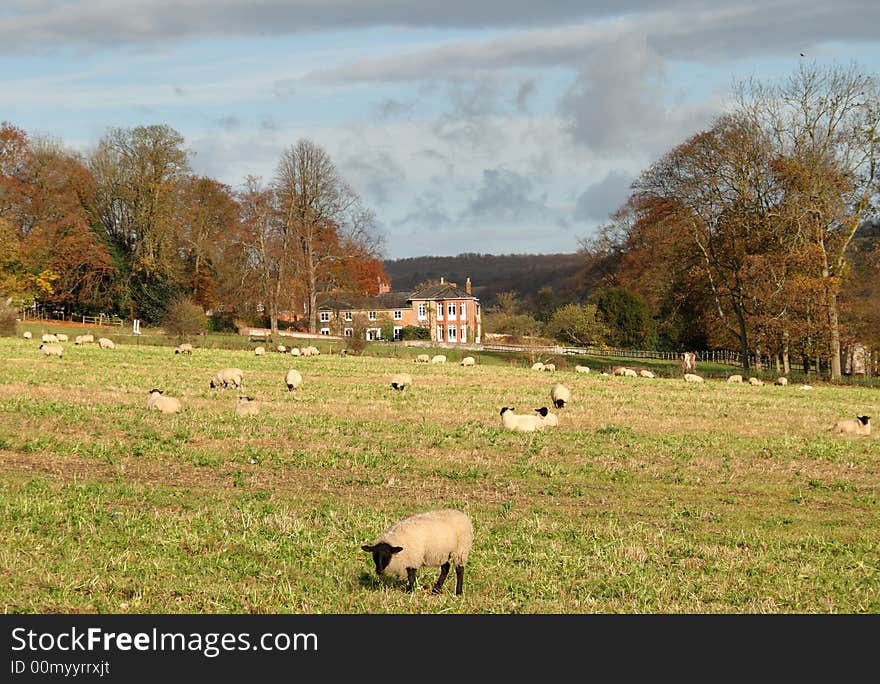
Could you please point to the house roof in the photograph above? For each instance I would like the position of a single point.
(343, 301)
(440, 291)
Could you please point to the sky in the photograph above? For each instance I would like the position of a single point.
(488, 126)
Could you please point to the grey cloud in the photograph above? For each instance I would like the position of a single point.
(524, 94)
(429, 212)
(601, 199)
(391, 109)
(229, 122)
(376, 173)
(506, 196)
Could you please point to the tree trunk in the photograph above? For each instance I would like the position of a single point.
(786, 361)
(834, 329)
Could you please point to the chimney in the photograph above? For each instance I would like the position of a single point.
(442, 280)
(467, 285)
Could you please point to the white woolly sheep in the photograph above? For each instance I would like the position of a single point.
(259, 351)
(423, 358)
(438, 358)
(61, 337)
(294, 351)
(550, 367)
(806, 387)
(49, 338)
(293, 379)
(156, 401)
(27, 334)
(560, 394)
(735, 378)
(757, 382)
(105, 343)
(782, 381)
(538, 366)
(84, 339)
(520, 422)
(281, 349)
(646, 373)
(549, 419)
(468, 361)
(246, 406)
(692, 377)
(860, 425)
(581, 369)
(228, 376)
(624, 371)
(313, 351)
(433, 538)
(50, 349)
(185, 348)
(400, 381)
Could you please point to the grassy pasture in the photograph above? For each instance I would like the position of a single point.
(653, 496)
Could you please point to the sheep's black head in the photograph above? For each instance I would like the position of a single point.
(382, 553)
(543, 411)
(559, 403)
(507, 408)
(157, 391)
(864, 419)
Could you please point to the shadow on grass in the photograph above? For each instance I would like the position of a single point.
(369, 580)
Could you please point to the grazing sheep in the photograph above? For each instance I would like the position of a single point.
(157, 402)
(520, 422)
(646, 373)
(423, 358)
(246, 406)
(782, 381)
(281, 349)
(560, 394)
(757, 382)
(104, 343)
(50, 349)
(433, 538)
(468, 361)
(400, 381)
(49, 338)
(735, 378)
(294, 351)
(550, 367)
(259, 351)
(293, 379)
(692, 377)
(438, 358)
(549, 419)
(538, 366)
(61, 337)
(185, 348)
(228, 376)
(27, 334)
(84, 339)
(581, 369)
(313, 351)
(860, 425)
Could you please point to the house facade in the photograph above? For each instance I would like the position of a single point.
(450, 314)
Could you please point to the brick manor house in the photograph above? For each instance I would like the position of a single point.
(452, 315)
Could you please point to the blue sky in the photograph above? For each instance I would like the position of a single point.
(503, 126)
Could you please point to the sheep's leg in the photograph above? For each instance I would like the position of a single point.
(459, 578)
(444, 570)
(411, 579)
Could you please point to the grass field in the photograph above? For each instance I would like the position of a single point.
(652, 496)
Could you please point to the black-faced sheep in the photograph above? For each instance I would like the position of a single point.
(433, 538)
(735, 378)
(49, 338)
(227, 377)
(61, 337)
(185, 348)
(860, 425)
(560, 394)
(538, 366)
(292, 379)
(400, 381)
(27, 334)
(423, 358)
(50, 349)
(105, 343)
(156, 401)
(259, 351)
(549, 419)
(468, 361)
(520, 422)
(757, 382)
(581, 369)
(438, 358)
(782, 381)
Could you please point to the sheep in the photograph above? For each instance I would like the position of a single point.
(313, 351)
(438, 358)
(468, 361)
(538, 366)
(246, 406)
(228, 376)
(27, 334)
(735, 378)
(520, 422)
(281, 349)
(625, 371)
(157, 402)
(293, 379)
(259, 351)
(185, 348)
(782, 381)
(757, 382)
(84, 339)
(806, 387)
(61, 337)
(549, 367)
(50, 349)
(433, 538)
(105, 343)
(581, 369)
(560, 394)
(294, 351)
(549, 419)
(423, 358)
(692, 377)
(49, 338)
(861, 425)
(646, 373)
(400, 381)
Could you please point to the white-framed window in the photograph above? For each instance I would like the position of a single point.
(452, 333)
(325, 331)
(439, 333)
(374, 333)
(423, 311)
(347, 332)
(450, 310)
(398, 315)
(324, 316)
(397, 332)
(464, 334)
(439, 311)
(347, 315)
(462, 311)
(371, 315)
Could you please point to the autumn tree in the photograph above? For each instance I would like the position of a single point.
(577, 324)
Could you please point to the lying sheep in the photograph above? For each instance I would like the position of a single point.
(560, 394)
(50, 349)
(692, 377)
(293, 379)
(520, 422)
(281, 349)
(49, 338)
(782, 381)
(581, 369)
(860, 425)
(294, 351)
(434, 538)
(61, 337)
(105, 343)
(423, 358)
(228, 376)
(27, 334)
(468, 361)
(400, 381)
(757, 382)
(735, 378)
(185, 348)
(625, 371)
(246, 406)
(549, 419)
(538, 366)
(259, 351)
(157, 402)
(806, 387)
(646, 373)
(549, 367)
(438, 358)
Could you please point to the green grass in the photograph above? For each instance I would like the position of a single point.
(653, 496)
